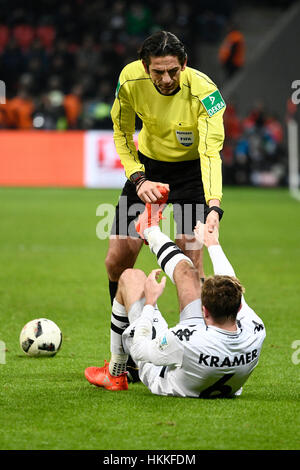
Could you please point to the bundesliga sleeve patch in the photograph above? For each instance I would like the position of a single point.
(213, 103)
(117, 89)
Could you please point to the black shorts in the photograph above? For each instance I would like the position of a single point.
(186, 195)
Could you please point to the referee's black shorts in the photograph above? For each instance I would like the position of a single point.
(186, 195)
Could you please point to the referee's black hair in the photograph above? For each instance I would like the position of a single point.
(161, 44)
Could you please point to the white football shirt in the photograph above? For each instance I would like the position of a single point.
(192, 359)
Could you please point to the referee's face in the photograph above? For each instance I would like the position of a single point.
(165, 73)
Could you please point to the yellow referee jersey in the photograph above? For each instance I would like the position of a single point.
(183, 126)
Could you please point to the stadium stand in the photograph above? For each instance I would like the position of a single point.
(63, 59)
(60, 63)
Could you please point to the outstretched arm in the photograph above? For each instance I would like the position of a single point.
(221, 264)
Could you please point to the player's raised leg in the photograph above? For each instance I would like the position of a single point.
(170, 257)
(187, 244)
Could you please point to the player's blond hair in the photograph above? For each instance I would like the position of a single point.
(222, 295)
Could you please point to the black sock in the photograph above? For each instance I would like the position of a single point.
(113, 287)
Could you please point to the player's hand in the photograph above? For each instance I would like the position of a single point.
(206, 237)
(152, 288)
(149, 192)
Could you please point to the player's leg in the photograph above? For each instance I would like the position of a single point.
(130, 290)
(124, 247)
(124, 243)
(122, 254)
(186, 216)
(112, 376)
(187, 283)
(188, 245)
(131, 287)
(176, 265)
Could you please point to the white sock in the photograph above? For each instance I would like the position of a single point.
(167, 252)
(147, 231)
(119, 322)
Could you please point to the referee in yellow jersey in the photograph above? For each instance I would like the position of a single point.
(178, 146)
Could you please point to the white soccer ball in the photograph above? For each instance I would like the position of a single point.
(40, 337)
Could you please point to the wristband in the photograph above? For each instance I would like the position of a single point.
(137, 177)
(139, 184)
(217, 209)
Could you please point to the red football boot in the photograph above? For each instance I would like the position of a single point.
(152, 213)
(101, 377)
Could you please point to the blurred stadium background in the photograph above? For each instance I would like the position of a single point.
(60, 64)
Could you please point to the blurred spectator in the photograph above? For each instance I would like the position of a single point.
(232, 52)
(12, 65)
(4, 36)
(87, 57)
(253, 149)
(96, 111)
(139, 20)
(46, 33)
(19, 110)
(24, 35)
(49, 112)
(166, 15)
(61, 62)
(232, 123)
(73, 106)
(117, 20)
(233, 131)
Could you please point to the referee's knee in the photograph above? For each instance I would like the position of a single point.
(114, 266)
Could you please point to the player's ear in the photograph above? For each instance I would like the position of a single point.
(240, 307)
(205, 311)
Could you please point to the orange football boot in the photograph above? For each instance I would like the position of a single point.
(152, 213)
(101, 377)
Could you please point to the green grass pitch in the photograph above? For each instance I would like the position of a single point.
(52, 265)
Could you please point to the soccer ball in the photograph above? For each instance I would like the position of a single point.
(40, 337)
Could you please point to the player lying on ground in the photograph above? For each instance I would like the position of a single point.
(211, 351)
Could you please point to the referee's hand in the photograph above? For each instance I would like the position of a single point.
(149, 192)
(212, 221)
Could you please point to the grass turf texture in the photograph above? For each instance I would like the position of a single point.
(52, 265)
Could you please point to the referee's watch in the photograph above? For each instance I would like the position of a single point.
(138, 177)
(217, 209)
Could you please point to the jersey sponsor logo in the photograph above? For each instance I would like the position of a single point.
(185, 138)
(183, 334)
(216, 361)
(213, 103)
